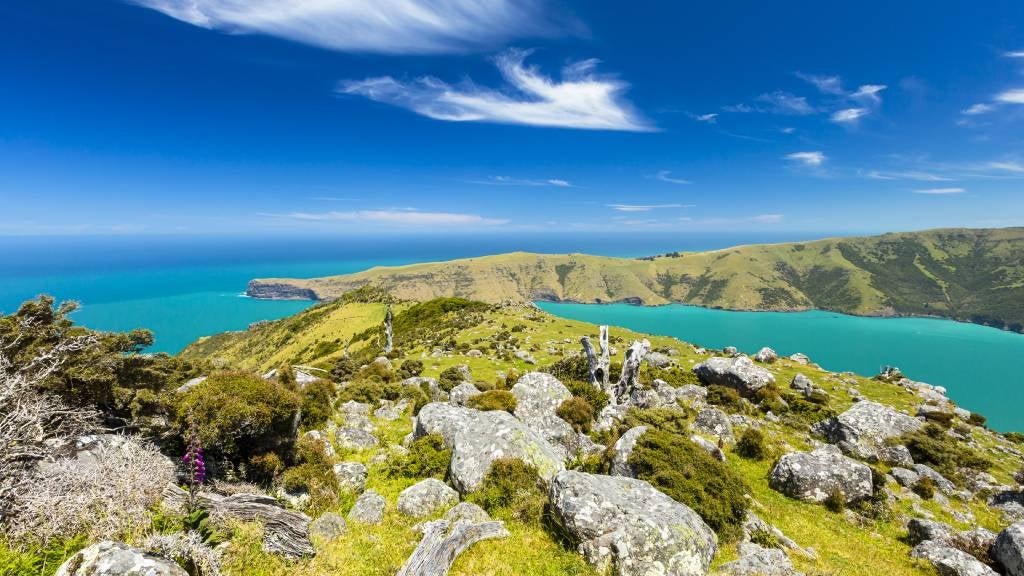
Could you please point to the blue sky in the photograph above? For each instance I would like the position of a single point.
(388, 116)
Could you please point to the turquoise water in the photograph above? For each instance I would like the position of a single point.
(979, 366)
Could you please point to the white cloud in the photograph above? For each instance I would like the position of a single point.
(826, 84)
(787, 130)
(645, 207)
(849, 115)
(977, 109)
(383, 26)
(1014, 54)
(1008, 166)
(940, 191)
(403, 217)
(709, 118)
(666, 176)
(582, 99)
(766, 218)
(1015, 96)
(815, 158)
(510, 181)
(869, 93)
(909, 175)
(785, 103)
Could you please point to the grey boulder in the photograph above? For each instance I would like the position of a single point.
(538, 396)
(766, 355)
(368, 509)
(623, 449)
(756, 560)
(659, 395)
(108, 558)
(626, 527)
(426, 497)
(949, 561)
(740, 373)
(351, 476)
(462, 393)
(1009, 549)
(328, 526)
(864, 428)
(713, 422)
(355, 439)
(813, 476)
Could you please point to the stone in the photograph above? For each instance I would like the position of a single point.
(627, 527)
(609, 416)
(1010, 503)
(800, 358)
(351, 476)
(368, 509)
(715, 423)
(905, 477)
(538, 396)
(525, 356)
(479, 438)
(1009, 549)
(321, 439)
(435, 392)
(109, 558)
(865, 427)
(944, 485)
(709, 447)
(949, 561)
(474, 353)
(730, 351)
(658, 395)
(920, 529)
(352, 407)
(739, 373)
(658, 360)
(766, 355)
(753, 524)
(466, 511)
(623, 449)
(898, 455)
(426, 497)
(693, 395)
(756, 560)
(355, 439)
(801, 383)
(391, 410)
(813, 476)
(328, 526)
(460, 394)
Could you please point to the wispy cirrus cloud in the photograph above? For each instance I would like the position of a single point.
(510, 181)
(666, 176)
(848, 115)
(710, 118)
(813, 158)
(906, 175)
(645, 207)
(977, 109)
(826, 84)
(940, 191)
(780, 102)
(1007, 166)
(407, 217)
(1014, 54)
(381, 26)
(582, 99)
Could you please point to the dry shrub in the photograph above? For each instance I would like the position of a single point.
(187, 549)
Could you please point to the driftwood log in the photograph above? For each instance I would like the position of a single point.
(598, 364)
(442, 543)
(284, 532)
(630, 370)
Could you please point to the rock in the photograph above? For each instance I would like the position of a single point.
(713, 422)
(659, 395)
(623, 449)
(354, 408)
(758, 561)
(474, 353)
(1009, 549)
(466, 511)
(460, 394)
(898, 455)
(478, 438)
(108, 558)
(627, 527)
(949, 561)
(1010, 503)
(321, 439)
(368, 509)
(355, 439)
(766, 355)
(709, 447)
(426, 497)
(525, 356)
(435, 392)
(801, 383)
(383, 362)
(693, 395)
(658, 360)
(609, 416)
(730, 351)
(391, 410)
(191, 384)
(944, 486)
(865, 427)
(919, 530)
(813, 476)
(351, 476)
(905, 477)
(328, 526)
(753, 524)
(800, 358)
(740, 373)
(977, 542)
(538, 396)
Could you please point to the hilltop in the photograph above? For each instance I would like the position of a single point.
(971, 275)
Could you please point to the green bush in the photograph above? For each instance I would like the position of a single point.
(369, 391)
(512, 489)
(675, 377)
(427, 458)
(944, 419)
(765, 539)
(977, 419)
(575, 368)
(688, 474)
(410, 369)
(239, 415)
(493, 400)
(317, 398)
(752, 445)
(769, 399)
(587, 391)
(577, 412)
(419, 396)
(314, 475)
(669, 420)
(931, 445)
(925, 488)
(836, 501)
(450, 378)
(1015, 437)
(264, 468)
(725, 398)
(343, 369)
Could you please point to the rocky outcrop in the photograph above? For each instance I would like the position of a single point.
(949, 561)
(921, 529)
(628, 528)
(462, 393)
(1009, 549)
(740, 373)
(766, 355)
(355, 439)
(479, 438)
(864, 428)
(623, 450)
(426, 497)
(813, 476)
(756, 560)
(715, 423)
(270, 290)
(108, 558)
(658, 395)
(368, 509)
(538, 396)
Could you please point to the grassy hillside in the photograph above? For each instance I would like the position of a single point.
(969, 275)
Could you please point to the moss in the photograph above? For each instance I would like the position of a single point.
(765, 538)
(752, 445)
(493, 400)
(669, 420)
(512, 489)
(577, 412)
(427, 458)
(688, 474)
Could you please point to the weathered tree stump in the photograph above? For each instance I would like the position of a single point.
(630, 370)
(599, 365)
(389, 335)
(442, 543)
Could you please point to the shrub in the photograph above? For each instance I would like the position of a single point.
(688, 474)
(944, 419)
(427, 458)
(725, 397)
(1019, 476)
(668, 420)
(675, 377)
(493, 400)
(925, 488)
(313, 475)
(450, 378)
(835, 501)
(410, 369)
(752, 445)
(316, 403)
(770, 400)
(587, 391)
(264, 468)
(931, 445)
(343, 369)
(765, 538)
(577, 412)
(575, 368)
(976, 419)
(1015, 437)
(369, 391)
(512, 489)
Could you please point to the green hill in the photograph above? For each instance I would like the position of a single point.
(972, 275)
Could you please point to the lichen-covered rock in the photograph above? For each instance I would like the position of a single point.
(355, 439)
(623, 450)
(609, 416)
(865, 427)
(693, 395)
(813, 476)
(949, 561)
(479, 438)
(658, 360)
(921, 529)
(466, 511)
(352, 407)
(766, 355)
(1009, 549)
(944, 485)
(756, 560)
(709, 447)
(435, 391)
(391, 410)
(328, 526)
(905, 477)
(462, 393)
(368, 509)
(627, 527)
(740, 373)
(351, 476)
(538, 396)
(897, 455)
(426, 497)
(713, 422)
(659, 395)
(108, 558)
